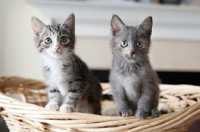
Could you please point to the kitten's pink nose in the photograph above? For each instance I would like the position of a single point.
(57, 48)
(132, 53)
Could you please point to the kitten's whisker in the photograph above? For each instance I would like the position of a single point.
(74, 57)
(77, 60)
(73, 60)
(69, 57)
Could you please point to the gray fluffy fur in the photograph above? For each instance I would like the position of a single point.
(134, 83)
(71, 85)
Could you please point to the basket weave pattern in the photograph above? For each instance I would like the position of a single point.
(182, 101)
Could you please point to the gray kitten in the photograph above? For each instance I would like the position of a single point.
(134, 83)
(71, 85)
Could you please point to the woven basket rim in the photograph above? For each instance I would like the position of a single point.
(41, 118)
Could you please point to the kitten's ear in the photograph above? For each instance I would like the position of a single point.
(37, 26)
(116, 24)
(146, 25)
(69, 23)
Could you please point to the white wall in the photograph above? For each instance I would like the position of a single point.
(19, 57)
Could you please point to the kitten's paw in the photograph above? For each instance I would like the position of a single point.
(52, 106)
(155, 112)
(141, 114)
(67, 108)
(126, 113)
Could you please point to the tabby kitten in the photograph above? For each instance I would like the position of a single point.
(134, 83)
(71, 85)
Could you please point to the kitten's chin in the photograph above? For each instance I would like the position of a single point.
(56, 55)
(130, 59)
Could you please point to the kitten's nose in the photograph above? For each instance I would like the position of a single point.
(57, 48)
(132, 53)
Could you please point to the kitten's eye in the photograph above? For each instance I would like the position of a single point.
(48, 41)
(139, 44)
(64, 39)
(124, 44)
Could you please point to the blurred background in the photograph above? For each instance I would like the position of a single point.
(175, 49)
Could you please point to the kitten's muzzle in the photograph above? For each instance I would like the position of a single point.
(132, 53)
(57, 48)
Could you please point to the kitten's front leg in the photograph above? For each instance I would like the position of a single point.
(147, 103)
(54, 99)
(74, 93)
(119, 96)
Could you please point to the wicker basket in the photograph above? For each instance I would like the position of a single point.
(28, 115)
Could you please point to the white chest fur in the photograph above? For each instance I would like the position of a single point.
(57, 77)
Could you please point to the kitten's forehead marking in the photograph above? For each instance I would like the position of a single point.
(50, 29)
(53, 29)
(57, 27)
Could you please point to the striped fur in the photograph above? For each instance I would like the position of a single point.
(72, 86)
